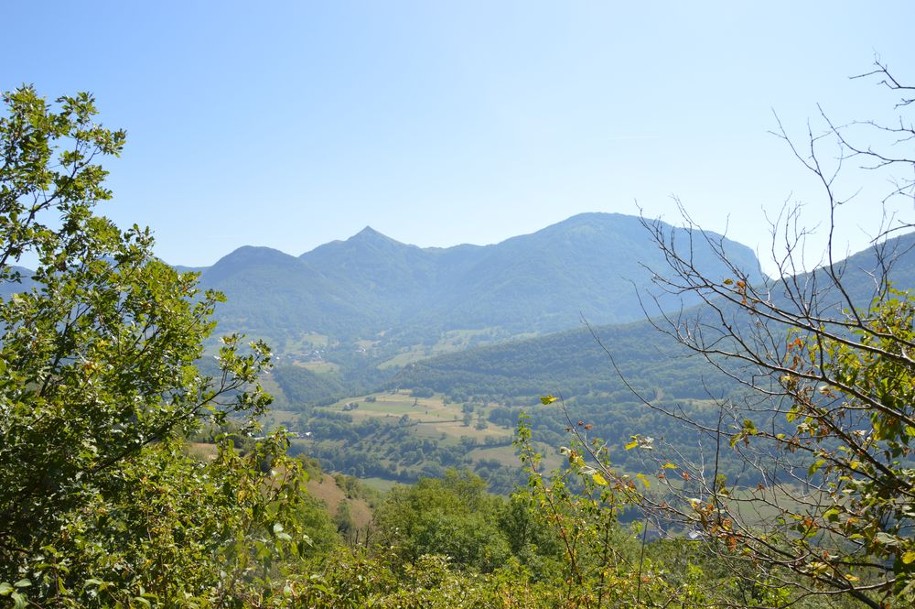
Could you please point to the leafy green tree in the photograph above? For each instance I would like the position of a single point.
(452, 516)
(99, 503)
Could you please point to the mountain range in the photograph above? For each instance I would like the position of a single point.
(592, 266)
(488, 329)
(575, 363)
(354, 315)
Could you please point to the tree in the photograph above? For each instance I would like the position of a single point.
(568, 529)
(826, 423)
(453, 516)
(99, 388)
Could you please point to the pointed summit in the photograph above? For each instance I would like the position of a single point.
(369, 234)
(368, 237)
(368, 231)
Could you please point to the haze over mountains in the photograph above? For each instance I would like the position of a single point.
(346, 316)
(590, 266)
(367, 322)
(352, 313)
(355, 315)
(573, 363)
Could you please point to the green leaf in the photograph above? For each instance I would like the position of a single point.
(632, 444)
(886, 539)
(279, 533)
(908, 557)
(815, 466)
(20, 601)
(599, 479)
(546, 400)
(5, 588)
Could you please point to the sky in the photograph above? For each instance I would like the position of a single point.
(290, 124)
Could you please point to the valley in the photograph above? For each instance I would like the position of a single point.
(251, 360)
(400, 400)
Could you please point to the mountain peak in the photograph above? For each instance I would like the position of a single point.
(371, 236)
(368, 233)
(368, 230)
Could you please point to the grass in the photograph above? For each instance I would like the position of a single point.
(451, 341)
(202, 450)
(319, 366)
(325, 489)
(505, 455)
(382, 485)
(307, 342)
(508, 457)
(431, 416)
(277, 417)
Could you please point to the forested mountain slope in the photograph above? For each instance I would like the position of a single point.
(591, 265)
(576, 363)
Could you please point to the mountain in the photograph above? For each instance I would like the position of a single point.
(602, 373)
(274, 294)
(574, 363)
(894, 257)
(23, 284)
(591, 265)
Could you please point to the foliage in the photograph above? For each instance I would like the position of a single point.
(99, 503)
(601, 563)
(453, 516)
(350, 579)
(829, 426)
(303, 387)
(652, 562)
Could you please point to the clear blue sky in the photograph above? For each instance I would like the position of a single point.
(292, 123)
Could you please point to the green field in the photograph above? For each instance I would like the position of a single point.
(379, 484)
(451, 341)
(320, 366)
(432, 416)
